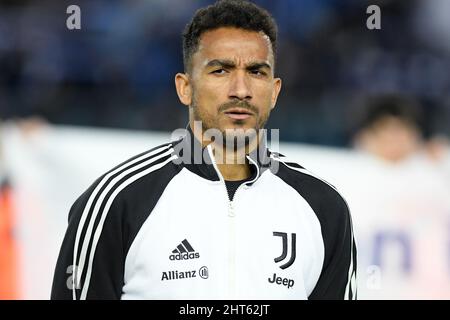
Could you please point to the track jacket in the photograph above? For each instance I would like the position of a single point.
(161, 226)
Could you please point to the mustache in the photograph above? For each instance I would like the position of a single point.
(244, 104)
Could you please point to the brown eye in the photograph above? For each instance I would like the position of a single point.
(258, 72)
(219, 71)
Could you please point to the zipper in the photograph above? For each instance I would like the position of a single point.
(232, 229)
(232, 221)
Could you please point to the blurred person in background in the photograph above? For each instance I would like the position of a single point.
(402, 213)
(390, 129)
(393, 130)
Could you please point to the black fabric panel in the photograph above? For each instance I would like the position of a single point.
(232, 186)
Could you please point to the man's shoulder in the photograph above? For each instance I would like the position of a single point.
(162, 151)
(144, 170)
(135, 183)
(318, 192)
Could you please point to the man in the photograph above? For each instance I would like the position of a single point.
(214, 215)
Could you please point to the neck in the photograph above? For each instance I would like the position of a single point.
(234, 172)
(232, 163)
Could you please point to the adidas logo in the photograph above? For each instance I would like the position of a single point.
(184, 251)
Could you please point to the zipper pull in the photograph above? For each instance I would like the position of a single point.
(231, 210)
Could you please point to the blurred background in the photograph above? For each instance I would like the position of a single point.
(369, 110)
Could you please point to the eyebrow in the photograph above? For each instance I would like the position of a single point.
(231, 64)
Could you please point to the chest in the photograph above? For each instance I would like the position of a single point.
(265, 244)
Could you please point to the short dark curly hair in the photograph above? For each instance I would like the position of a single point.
(399, 106)
(227, 13)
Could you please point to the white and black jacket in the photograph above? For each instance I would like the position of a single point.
(160, 226)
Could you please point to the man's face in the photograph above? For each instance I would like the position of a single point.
(231, 80)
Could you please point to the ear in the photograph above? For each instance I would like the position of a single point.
(276, 91)
(184, 89)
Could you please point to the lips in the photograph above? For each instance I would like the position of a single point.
(238, 113)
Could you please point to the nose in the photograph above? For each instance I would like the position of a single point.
(240, 87)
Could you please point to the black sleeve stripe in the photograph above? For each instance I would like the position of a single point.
(353, 287)
(350, 290)
(99, 194)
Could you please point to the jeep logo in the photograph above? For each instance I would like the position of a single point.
(289, 283)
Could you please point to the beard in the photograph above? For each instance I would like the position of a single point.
(233, 138)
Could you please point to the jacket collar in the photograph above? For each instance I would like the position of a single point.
(200, 160)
